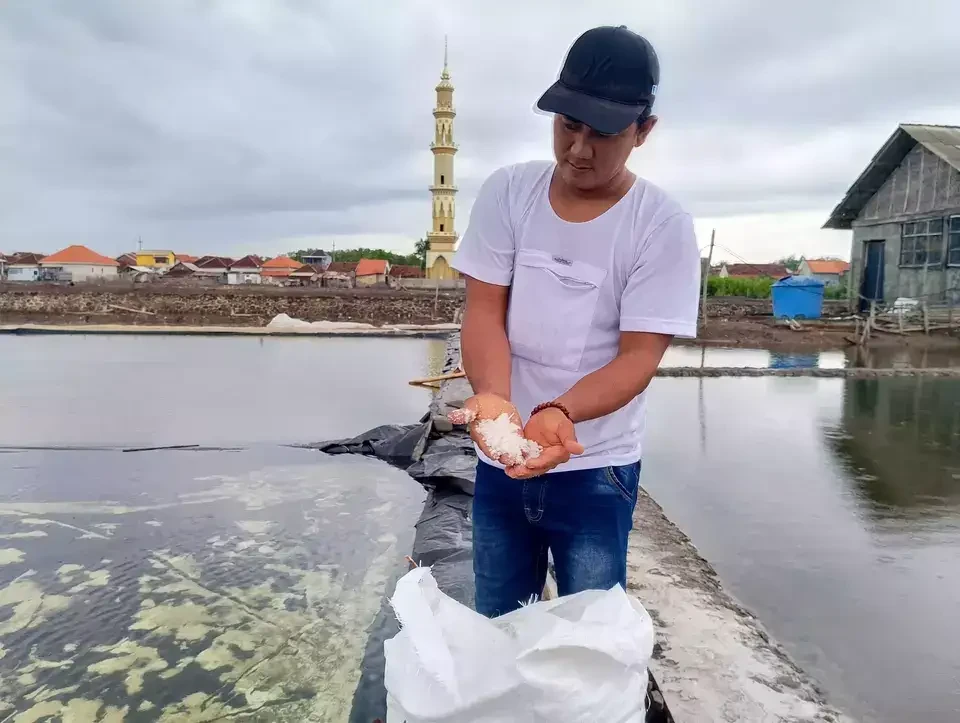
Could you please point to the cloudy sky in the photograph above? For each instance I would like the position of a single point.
(236, 126)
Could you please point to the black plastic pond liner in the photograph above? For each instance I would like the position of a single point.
(445, 464)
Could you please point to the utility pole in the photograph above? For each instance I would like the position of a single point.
(706, 274)
(139, 243)
(333, 255)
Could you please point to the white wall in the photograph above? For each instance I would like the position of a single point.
(243, 277)
(82, 272)
(23, 273)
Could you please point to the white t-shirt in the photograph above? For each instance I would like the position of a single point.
(576, 286)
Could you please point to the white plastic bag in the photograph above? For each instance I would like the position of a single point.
(570, 660)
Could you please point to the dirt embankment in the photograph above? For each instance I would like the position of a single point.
(730, 322)
(219, 306)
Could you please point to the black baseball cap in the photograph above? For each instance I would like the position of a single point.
(608, 81)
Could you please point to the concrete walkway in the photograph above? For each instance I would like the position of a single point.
(713, 660)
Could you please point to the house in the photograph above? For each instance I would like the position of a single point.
(904, 211)
(183, 270)
(306, 275)
(127, 259)
(161, 260)
(830, 271)
(79, 264)
(3, 267)
(278, 270)
(753, 271)
(370, 272)
(24, 267)
(245, 270)
(137, 274)
(400, 271)
(339, 274)
(319, 261)
(206, 268)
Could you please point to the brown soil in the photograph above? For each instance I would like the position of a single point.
(730, 322)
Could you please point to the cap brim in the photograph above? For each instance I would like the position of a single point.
(604, 116)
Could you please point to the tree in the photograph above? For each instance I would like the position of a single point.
(354, 255)
(420, 251)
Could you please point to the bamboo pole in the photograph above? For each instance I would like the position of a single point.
(703, 281)
(458, 374)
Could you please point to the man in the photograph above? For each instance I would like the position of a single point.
(578, 276)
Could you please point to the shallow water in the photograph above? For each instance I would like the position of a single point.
(204, 390)
(831, 508)
(191, 586)
(197, 585)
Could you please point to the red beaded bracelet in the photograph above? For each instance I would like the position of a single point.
(552, 405)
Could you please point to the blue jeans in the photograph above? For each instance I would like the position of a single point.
(583, 517)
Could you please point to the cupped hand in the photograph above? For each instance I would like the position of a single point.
(555, 433)
(485, 406)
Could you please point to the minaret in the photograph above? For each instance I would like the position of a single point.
(443, 236)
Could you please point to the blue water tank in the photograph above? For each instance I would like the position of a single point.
(797, 297)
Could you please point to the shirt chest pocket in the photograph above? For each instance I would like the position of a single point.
(552, 305)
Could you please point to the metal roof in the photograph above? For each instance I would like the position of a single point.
(943, 141)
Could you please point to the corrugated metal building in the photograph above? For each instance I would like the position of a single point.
(904, 211)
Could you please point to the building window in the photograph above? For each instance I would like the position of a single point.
(953, 242)
(441, 179)
(441, 227)
(921, 243)
(159, 259)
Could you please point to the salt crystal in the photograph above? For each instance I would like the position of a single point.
(505, 441)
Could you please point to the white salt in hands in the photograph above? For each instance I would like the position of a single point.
(495, 427)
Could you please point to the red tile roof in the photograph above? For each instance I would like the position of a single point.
(186, 258)
(282, 262)
(824, 266)
(774, 271)
(213, 262)
(30, 259)
(406, 272)
(250, 261)
(77, 254)
(305, 270)
(371, 267)
(342, 267)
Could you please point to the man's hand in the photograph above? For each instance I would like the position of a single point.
(485, 406)
(553, 431)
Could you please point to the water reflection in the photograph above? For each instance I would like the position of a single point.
(830, 507)
(704, 356)
(895, 357)
(901, 439)
(138, 391)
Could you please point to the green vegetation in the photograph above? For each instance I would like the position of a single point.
(751, 288)
(758, 288)
(417, 258)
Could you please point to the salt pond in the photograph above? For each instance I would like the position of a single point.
(194, 585)
(182, 583)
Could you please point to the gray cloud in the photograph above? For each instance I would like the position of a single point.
(236, 124)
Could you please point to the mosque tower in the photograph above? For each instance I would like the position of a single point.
(442, 237)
